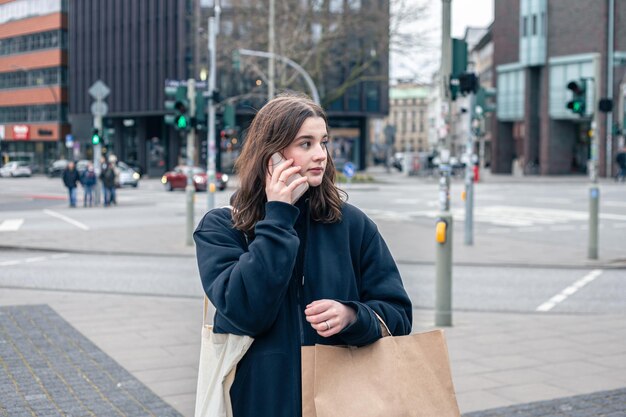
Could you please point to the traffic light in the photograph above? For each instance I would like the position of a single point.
(95, 137)
(200, 121)
(485, 99)
(578, 104)
(177, 105)
(468, 83)
(181, 119)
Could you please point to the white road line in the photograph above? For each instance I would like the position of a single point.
(11, 225)
(549, 305)
(34, 259)
(66, 219)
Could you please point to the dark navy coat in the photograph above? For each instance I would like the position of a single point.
(262, 290)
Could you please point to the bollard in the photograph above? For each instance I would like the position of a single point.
(443, 292)
(443, 239)
(594, 202)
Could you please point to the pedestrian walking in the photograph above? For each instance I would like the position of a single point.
(107, 176)
(70, 178)
(113, 163)
(620, 159)
(88, 180)
(291, 271)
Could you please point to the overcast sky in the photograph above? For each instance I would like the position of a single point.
(465, 13)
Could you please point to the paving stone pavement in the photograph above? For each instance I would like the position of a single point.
(48, 368)
(599, 404)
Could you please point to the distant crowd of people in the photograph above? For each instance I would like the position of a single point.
(88, 180)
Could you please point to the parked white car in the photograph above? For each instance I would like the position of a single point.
(16, 169)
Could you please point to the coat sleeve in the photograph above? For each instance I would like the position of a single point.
(247, 287)
(381, 291)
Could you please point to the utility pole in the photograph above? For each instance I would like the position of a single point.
(443, 298)
(191, 136)
(609, 88)
(594, 189)
(272, 63)
(213, 26)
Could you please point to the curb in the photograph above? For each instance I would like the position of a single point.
(616, 264)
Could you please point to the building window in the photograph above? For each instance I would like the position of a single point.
(524, 26)
(543, 23)
(34, 78)
(534, 25)
(40, 113)
(34, 42)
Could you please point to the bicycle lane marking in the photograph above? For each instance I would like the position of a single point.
(572, 289)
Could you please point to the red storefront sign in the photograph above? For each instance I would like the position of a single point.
(21, 132)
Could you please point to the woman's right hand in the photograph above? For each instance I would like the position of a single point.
(276, 187)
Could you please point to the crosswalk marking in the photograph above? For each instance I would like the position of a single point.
(505, 216)
(11, 225)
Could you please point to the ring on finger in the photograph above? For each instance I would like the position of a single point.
(283, 181)
(327, 325)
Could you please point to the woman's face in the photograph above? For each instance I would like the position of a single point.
(308, 150)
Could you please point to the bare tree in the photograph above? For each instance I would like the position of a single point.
(340, 43)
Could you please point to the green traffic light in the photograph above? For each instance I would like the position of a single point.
(95, 139)
(181, 123)
(578, 106)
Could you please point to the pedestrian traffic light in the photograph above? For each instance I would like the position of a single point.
(177, 106)
(95, 137)
(181, 119)
(578, 104)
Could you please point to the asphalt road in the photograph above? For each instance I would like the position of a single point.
(474, 288)
(553, 212)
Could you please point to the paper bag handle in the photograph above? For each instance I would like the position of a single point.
(384, 330)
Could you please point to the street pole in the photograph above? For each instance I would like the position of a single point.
(211, 145)
(594, 189)
(609, 89)
(190, 189)
(97, 153)
(272, 63)
(443, 292)
(469, 176)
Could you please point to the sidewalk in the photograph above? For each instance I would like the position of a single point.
(497, 359)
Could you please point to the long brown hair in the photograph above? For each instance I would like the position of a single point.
(274, 127)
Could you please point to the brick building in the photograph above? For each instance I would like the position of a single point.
(33, 81)
(539, 47)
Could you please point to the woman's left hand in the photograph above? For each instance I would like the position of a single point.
(329, 317)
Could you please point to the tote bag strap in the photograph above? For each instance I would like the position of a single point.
(384, 330)
(206, 299)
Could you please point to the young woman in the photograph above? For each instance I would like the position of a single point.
(293, 274)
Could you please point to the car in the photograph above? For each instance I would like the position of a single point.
(16, 169)
(57, 167)
(177, 178)
(127, 176)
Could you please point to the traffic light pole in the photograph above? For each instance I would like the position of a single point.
(97, 153)
(211, 151)
(443, 291)
(594, 189)
(469, 177)
(190, 189)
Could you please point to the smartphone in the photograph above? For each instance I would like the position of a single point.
(278, 159)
